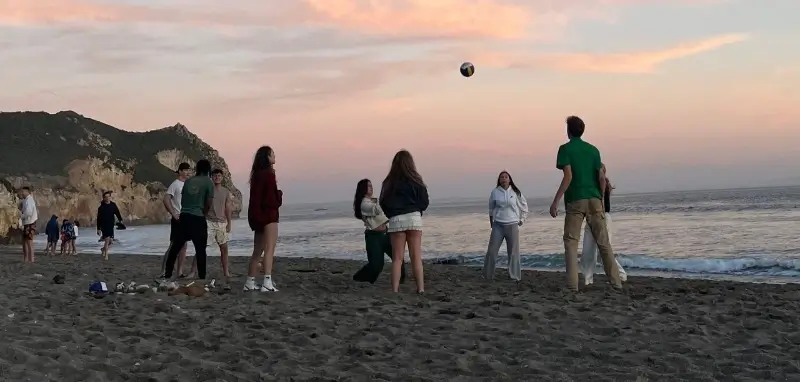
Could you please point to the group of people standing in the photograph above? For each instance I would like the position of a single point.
(395, 219)
(67, 232)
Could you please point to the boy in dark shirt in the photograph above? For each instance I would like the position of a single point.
(105, 222)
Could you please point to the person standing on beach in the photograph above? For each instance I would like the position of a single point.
(196, 199)
(589, 253)
(262, 216)
(508, 210)
(68, 237)
(219, 219)
(367, 209)
(582, 188)
(29, 214)
(404, 197)
(172, 203)
(106, 214)
(52, 232)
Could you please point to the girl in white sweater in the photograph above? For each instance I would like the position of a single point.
(508, 210)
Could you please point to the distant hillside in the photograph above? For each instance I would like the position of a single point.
(69, 160)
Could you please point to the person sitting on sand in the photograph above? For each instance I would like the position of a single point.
(404, 197)
(589, 253)
(106, 214)
(508, 210)
(582, 188)
(52, 232)
(262, 216)
(196, 199)
(367, 209)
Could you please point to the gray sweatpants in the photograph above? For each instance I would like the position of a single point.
(509, 233)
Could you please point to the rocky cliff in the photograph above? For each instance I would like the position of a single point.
(69, 160)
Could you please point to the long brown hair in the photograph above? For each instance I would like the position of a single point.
(260, 161)
(403, 170)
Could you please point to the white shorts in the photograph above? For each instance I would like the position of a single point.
(218, 232)
(411, 221)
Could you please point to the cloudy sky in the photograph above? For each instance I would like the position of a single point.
(677, 94)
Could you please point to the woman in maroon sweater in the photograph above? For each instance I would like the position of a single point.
(262, 215)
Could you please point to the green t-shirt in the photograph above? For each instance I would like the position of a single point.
(584, 160)
(195, 191)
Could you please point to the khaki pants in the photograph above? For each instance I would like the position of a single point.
(593, 212)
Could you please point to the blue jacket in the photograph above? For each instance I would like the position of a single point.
(52, 227)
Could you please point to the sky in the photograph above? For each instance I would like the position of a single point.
(676, 94)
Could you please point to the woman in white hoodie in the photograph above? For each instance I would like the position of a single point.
(508, 210)
(376, 240)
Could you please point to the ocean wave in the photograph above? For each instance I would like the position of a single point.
(761, 265)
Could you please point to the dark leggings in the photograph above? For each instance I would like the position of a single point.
(377, 244)
(190, 228)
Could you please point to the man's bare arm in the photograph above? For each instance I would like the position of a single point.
(601, 177)
(565, 181)
(168, 204)
(229, 209)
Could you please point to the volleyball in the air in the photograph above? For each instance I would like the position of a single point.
(467, 69)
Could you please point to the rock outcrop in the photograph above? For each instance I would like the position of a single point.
(69, 160)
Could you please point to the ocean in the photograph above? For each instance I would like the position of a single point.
(739, 234)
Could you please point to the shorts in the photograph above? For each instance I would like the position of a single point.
(29, 231)
(411, 221)
(173, 229)
(106, 232)
(52, 238)
(218, 232)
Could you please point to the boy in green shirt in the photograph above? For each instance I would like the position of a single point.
(196, 198)
(583, 187)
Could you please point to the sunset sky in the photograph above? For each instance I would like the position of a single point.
(677, 94)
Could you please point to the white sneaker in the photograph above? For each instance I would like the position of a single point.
(588, 280)
(250, 286)
(269, 286)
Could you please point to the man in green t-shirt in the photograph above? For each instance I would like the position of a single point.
(196, 199)
(583, 187)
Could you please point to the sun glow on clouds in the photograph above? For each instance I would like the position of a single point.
(311, 75)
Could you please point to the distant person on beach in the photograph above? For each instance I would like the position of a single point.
(106, 214)
(582, 188)
(29, 214)
(508, 210)
(67, 237)
(172, 203)
(52, 231)
(262, 216)
(219, 219)
(404, 197)
(376, 240)
(589, 253)
(196, 199)
(75, 228)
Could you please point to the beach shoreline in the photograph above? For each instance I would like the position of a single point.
(323, 326)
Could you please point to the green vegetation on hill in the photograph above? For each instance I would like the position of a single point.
(44, 143)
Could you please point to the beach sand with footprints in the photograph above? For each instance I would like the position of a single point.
(322, 326)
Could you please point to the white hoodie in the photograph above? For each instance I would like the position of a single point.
(506, 207)
(29, 213)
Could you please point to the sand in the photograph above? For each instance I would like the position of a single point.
(322, 326)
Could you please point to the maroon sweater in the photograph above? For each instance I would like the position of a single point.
(265, 200)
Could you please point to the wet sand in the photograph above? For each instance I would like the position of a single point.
(322, 326)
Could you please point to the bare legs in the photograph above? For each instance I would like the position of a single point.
(263, 242)
(27, 251)
(223, 258)
(414, 241)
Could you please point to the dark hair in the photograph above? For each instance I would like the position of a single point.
(108, 192)
(217, 171)
(260, 161)
(403, 170)
(26, 188)
(361, 192)
(203, 167)
(510, 182)
(575, 126)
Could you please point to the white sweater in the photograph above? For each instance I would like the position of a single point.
(506, 207)
(29, 214)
